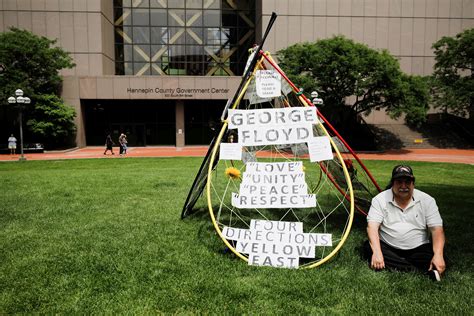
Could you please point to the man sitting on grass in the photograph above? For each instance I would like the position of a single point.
(398, 223)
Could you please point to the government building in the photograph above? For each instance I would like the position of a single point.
(162, 70)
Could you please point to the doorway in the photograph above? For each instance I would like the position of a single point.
(145, 122)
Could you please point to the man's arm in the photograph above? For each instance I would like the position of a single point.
(437, 234)
(377, 261)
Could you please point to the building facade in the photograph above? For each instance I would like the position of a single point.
(162, 70)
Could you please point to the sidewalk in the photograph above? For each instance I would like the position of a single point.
(435, 155)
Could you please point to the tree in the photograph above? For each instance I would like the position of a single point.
(353, 79)
(453, 77)
(51, 120)
(32, 63)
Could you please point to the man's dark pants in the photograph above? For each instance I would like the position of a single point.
(418, 258)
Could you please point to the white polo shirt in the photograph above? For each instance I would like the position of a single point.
(406, 229)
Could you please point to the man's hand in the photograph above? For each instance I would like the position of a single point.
(437, 234)
(377, 262)
(438, 263)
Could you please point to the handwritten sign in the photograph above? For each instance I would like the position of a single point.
(273, 185)
(277, 126)
(320, 149)
(230, 151)
(268, 83)
(276, 243)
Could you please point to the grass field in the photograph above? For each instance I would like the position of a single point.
(105, 236)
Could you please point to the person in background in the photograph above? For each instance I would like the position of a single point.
(12, 144)
(109, 145)
(123, 144)
(400, 220)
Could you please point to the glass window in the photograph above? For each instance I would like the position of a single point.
(213, 36)
(213, 49)
(244, 19)
(140, 17)
(212, 4)
(229, 18)
(193, 17)
(141, 3)
(176, 3)
(159, 53)
(195, 53)
(177, 52)
(141, 53)
(158, 3)
(123, 35)
(141, 35)
(158, 17)
(194, 4)
(141, 69)
(176, 35)
(194, 36)
(127, 52)
(159, 35)
(176, 18)
(158, 69)
(128, 68)
(212, 18)
(225, 36)
(194, 69)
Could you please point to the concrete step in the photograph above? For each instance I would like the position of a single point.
(395, 136)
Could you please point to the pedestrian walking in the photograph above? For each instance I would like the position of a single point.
(109, 143)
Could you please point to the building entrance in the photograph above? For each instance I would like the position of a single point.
(145, 122)
(202, 119)
(135, 133)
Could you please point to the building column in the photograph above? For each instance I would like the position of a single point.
(79, 121)
(179, 108)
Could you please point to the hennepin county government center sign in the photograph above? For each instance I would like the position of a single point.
(176, 92)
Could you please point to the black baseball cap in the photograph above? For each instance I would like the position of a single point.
(402, 171)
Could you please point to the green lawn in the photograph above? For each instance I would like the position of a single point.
(105, 236)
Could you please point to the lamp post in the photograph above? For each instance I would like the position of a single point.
(316, 101)
(20, 100)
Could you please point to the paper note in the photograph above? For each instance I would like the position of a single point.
(268, 83)
(230, 151)
(320, 149)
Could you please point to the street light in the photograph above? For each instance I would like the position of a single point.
(20, 100)
(315, 99)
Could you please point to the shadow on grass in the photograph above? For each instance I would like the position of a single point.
(455, 204)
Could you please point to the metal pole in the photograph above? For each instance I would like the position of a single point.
(22, 157)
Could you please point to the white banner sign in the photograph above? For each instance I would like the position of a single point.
(275, 135)
(277, 126)
(274, 167)
(275, 116)
(276, 243)
(252, 178)
(268, 83)
(273, 201)
(265, 189)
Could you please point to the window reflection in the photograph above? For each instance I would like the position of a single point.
(140, 17)
(177, 37)
(158, 17)
(141, 35)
